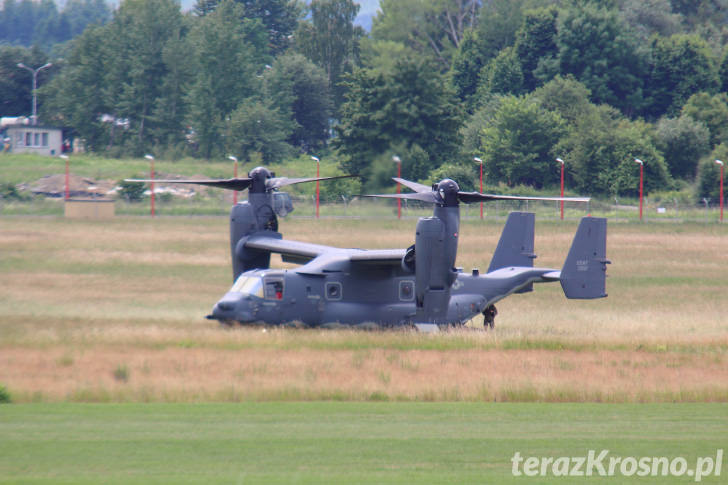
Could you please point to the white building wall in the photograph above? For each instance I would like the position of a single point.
(35, 139)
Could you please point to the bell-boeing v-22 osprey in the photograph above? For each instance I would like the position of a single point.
(391, 287)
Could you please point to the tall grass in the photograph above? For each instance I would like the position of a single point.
(77, 298)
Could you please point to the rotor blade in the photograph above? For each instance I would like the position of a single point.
(429, 196)
(278, 182)
(419, 188)
(230, 184)
(470, 197)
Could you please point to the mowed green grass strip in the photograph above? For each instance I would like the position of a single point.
(328, 442)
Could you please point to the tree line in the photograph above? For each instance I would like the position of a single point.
(516, 83)
(41, 23)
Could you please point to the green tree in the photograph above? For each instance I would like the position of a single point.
(600, 153)
(331, 40)
(383, 55)
(649, 17)
(536, 44)
(502, 75)
(470, 131)
(258, 127)
(498, 22)
(682, 141)
(300, 90)
(278, 17)
(681, 66)
(15, 83)
(711, 110)
(597, 47)
(432, 28)
(517, 146)
(465, 175)
(81, 13)
(229, 55)
(410, 106)
(467, 63)
(723, 72)
(79, 95)
(41, 24)
(138, 36)
(170, 107)
(567, 97)
(709, 176)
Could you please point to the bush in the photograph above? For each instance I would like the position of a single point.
(121, 373)
(5, 397)
(131, 191)
(10, 192)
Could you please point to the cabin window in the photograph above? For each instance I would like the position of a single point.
(273, 289)
(249, 285)
(407, 290)
(28, 139)
(333, 290)
(45, 139)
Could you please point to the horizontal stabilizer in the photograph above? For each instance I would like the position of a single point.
(585, 269)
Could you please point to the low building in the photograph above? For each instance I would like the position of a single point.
(42, 140)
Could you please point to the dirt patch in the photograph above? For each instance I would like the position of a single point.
(86, 187)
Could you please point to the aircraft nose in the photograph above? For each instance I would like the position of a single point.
(224, 306)
(231, 307)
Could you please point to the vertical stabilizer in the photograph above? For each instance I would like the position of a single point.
(515, 247)
(585, 269)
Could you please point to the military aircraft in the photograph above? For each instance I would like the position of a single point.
(418, 286)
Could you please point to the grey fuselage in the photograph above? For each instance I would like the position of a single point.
(384, 297)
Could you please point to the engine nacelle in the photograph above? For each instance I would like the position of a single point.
(243, 222)
(433, 270)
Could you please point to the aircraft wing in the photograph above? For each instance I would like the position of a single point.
(290, 251)
(303, 253)
(384, 257)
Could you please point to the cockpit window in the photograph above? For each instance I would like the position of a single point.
(249, 285)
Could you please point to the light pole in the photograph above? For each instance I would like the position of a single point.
(318, 164)
(235, 175)
(720, 162)
(398, 161)
(34, 72)
(480, 162)
(151, 185)
(642, 179)
(562, 186)
(67, 191)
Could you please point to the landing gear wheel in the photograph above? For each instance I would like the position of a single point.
(489, 317)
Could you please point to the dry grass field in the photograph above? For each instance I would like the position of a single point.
(113, 311)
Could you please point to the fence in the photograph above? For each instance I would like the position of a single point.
(219, 204)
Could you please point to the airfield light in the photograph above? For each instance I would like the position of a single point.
(66, 195)
(235, 175)
(398, 161)
(642, 179)
(562, 186)
(480, 162)
(318, 163)
(35, 72)
(720, 162)
(151, 185)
